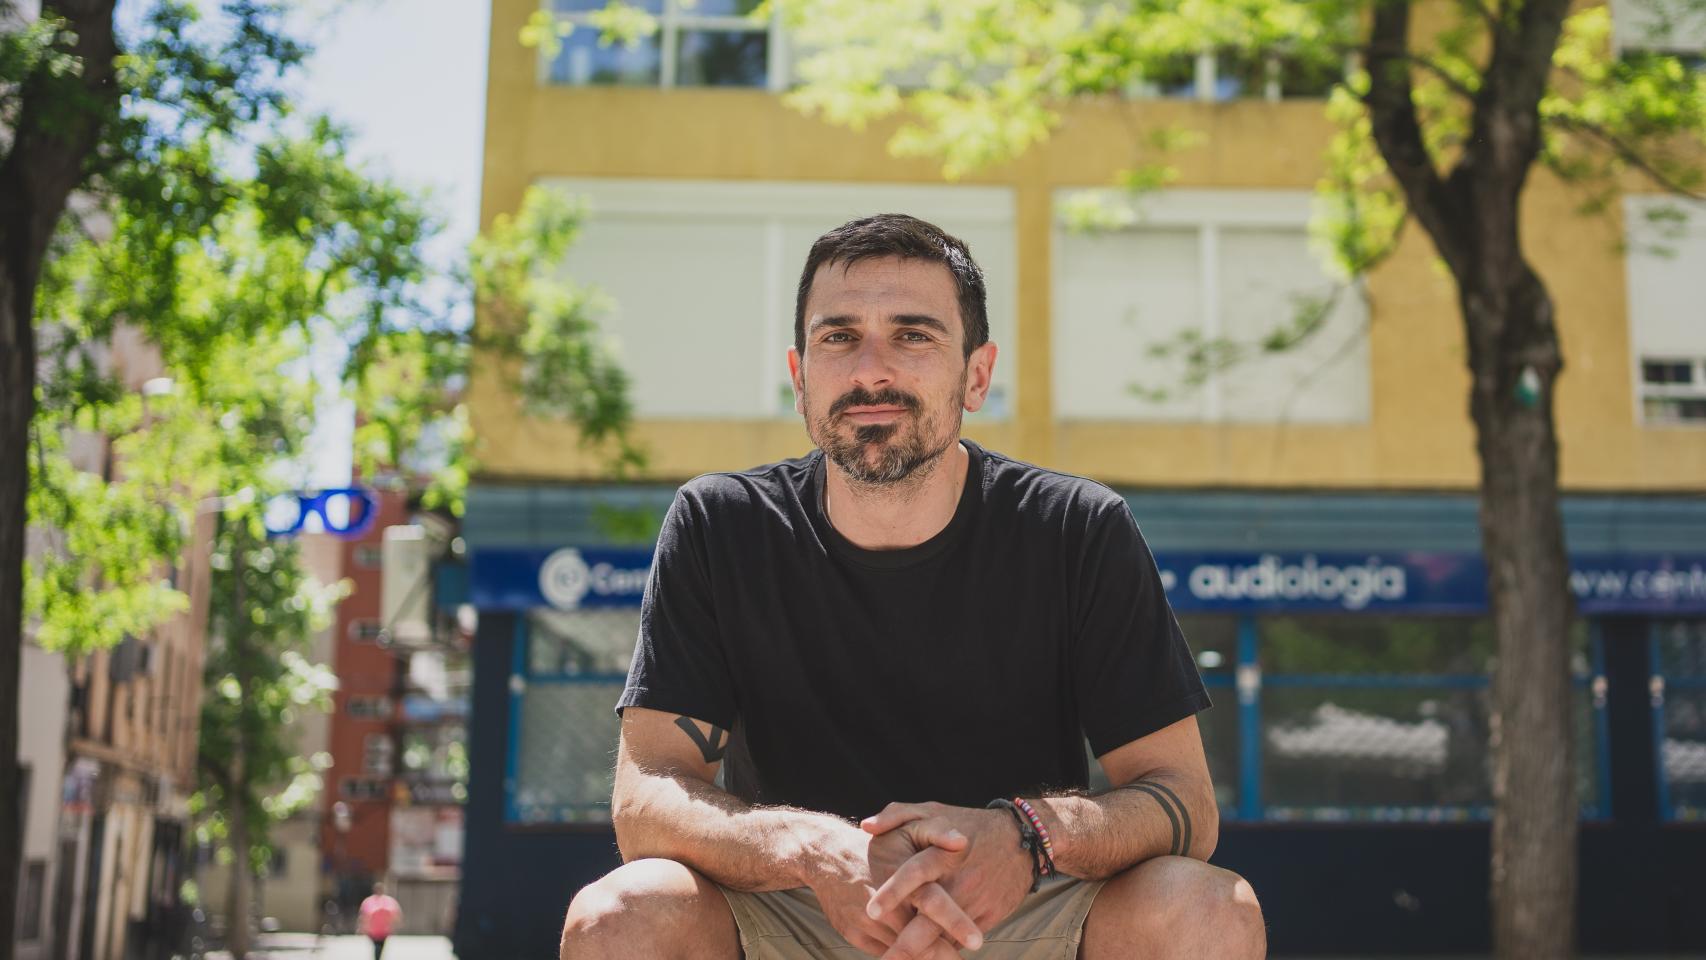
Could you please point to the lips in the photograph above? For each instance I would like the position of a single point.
(873, 414)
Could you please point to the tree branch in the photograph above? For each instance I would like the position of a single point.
(1397, 131)
(1457, 86)
(1521, 64)
(1630, 156)
(1486, 13)
(214, 772)
(58, 126)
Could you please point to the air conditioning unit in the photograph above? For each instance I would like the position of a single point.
(405, 596)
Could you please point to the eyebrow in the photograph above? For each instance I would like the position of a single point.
(897, 320)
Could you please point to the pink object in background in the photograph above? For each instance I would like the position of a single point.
(380, 913)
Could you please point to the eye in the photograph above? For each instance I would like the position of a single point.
(915, 336)
(838, 336)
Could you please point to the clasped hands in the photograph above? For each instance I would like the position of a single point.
(934, 876)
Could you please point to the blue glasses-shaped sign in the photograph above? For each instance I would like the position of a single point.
(345, 512)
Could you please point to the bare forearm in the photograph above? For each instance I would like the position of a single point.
(1160, 814)
(738, 845)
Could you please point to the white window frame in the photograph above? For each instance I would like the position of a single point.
(378, 755)
(1206, 75)
(371, 707)
(676, 18)
(1207, 212)
(1644, 391)
(1641, 353)
(364, 788)
(723, 199)
(1673, 46)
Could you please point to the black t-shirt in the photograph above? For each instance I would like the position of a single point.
(969, 667)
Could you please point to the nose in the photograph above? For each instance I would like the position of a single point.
(871, 367)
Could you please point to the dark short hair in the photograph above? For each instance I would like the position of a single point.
(898, 235)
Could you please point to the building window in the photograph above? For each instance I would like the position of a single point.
(1216, 272)
(364, 788)
(737, 248)
(1645, 28)
(368, 707)
(1678, 656)
(368, 557)
(376, 752)
(1239, 75)
(1666, 243)
(704, 43)
(1673, 390)
(573, 673)
(1386, 718)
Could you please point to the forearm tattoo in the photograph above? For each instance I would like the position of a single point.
(1177, 814)
(711, 749)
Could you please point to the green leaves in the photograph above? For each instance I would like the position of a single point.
(976, 82)
(1360, 213)
(979, 81)
(263, 612)
(544, 326)
(1644, 110)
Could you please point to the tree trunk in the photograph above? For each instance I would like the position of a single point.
(17, 408)
(59, 122)
(241, 875)
(241, 893)
(1515, 359)
(1473, 218)
(237, 798)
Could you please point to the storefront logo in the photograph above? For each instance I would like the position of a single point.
(567, 581)
(564, 578)
(1351, 586)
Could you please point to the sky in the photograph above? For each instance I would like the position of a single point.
(408, 77)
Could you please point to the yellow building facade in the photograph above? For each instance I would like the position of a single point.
(1416, 433)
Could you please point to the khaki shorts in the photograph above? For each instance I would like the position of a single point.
(790, 925)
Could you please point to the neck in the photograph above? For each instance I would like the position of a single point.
(893, 516)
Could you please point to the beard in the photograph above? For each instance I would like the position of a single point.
(885, 454)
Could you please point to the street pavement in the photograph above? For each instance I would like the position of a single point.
(307, 946)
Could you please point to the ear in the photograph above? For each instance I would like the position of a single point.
(796, 374)
(980, 368)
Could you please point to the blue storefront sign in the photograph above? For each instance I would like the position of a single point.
(571, 578)
(567, 578)
(1417, 583)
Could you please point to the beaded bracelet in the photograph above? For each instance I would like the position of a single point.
(1042, 835)
(1028, 839)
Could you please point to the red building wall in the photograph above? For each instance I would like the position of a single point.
(369, 674)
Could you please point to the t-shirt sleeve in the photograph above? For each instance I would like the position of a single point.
(678, 663)
(1134, 671)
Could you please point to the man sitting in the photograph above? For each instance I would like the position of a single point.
(903, 615)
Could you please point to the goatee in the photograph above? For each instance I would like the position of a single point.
(895, 460)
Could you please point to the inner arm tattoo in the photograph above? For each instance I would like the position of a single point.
(1177, 814)
(711, 749)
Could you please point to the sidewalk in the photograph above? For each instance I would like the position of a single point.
(307, 946)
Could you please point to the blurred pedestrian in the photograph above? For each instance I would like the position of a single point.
(380, 915)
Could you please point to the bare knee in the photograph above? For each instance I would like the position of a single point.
(643, 908)
(1177, 907)
(1217, 904)
(1242, 914)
